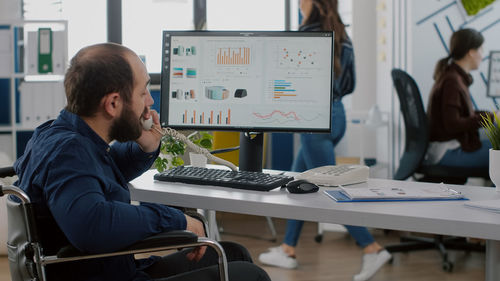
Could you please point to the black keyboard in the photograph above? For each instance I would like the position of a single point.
(235, 179)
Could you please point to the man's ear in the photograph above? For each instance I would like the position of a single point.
(112, 104)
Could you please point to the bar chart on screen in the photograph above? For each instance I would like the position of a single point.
(193, 116)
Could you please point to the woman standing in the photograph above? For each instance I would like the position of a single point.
(318, 149)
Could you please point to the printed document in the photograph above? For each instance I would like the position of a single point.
(489, 205)
(409, 191)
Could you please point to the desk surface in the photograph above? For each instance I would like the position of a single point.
(440, 217)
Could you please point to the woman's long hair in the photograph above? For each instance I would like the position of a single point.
(326, 13)
(461, 42)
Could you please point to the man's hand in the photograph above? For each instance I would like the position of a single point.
(196, 227)
(149, 141)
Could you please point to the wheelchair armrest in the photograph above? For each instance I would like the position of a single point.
(7, 172)
(200, 217)
(164, 239)
(170, 238)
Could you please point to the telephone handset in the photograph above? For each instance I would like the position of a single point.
(335, 175)
(147, 125)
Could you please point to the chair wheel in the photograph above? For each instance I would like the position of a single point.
(447, 266)
(318, 238)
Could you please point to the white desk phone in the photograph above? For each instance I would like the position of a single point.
(336, 175)
(326, 175)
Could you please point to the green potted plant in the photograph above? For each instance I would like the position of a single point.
(202, 138)
(492, 128)
(172, 150)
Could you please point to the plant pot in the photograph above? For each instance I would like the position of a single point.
(197, 160)
(495, 167)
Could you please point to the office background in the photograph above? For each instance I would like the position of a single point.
(407, 34)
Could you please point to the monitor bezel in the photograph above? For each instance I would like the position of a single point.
(165, 76)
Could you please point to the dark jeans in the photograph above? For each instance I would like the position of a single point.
(177, 267)
(318, 150)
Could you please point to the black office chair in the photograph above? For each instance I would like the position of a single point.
(28, 258)
(410, 165)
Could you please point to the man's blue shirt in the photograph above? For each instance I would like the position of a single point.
(73, 175)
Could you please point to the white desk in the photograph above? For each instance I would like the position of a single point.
(438, 217)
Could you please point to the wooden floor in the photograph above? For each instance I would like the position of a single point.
(337, 257)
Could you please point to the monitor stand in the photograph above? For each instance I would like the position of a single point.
(251, 146)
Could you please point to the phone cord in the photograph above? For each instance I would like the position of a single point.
(197, 149)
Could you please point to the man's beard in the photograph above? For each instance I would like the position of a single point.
(127, 127)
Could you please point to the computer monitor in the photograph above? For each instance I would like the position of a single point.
(494, 75)
(263, 81)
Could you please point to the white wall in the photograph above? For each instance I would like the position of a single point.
(364, 37)
(360, 141)
(416, 35)
(433, 23)
(10, 9)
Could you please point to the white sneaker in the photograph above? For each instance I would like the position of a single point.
(277, 257)
(274, 249)
(371, 264)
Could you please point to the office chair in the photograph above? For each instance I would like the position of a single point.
(410, 165)
(28, 258)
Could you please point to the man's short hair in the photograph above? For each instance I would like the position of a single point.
(94, 72)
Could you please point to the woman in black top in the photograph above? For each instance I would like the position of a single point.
(318, 149)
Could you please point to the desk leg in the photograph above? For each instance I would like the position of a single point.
(492, 260)
(212, 224)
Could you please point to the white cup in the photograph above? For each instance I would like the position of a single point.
(495, 168)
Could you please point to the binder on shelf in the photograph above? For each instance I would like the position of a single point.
(5, 102)
(410, 192)
(57, 56)
(31, 53)
(44, 105)
(45, 47)
(40, 102)
(5, 52)
(58, 99)
(27, 105)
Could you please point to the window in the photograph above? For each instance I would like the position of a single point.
(143, 23)
(82, 30)
(345, 11)
(245, 15)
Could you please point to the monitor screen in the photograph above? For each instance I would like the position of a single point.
(494, 75)
(247, 81)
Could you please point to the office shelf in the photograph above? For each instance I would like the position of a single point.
(18, 48)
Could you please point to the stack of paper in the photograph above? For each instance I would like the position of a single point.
(410, 192)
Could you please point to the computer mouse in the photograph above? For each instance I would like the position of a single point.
(301, 186)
